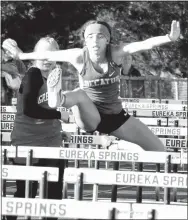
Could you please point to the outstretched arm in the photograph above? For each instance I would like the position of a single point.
(70, 55)
(60, 56)
(154, 41)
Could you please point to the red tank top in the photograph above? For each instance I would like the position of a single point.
(102, 88)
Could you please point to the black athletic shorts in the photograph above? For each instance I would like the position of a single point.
(111, 122)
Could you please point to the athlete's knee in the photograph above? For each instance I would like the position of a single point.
(90, 128)
(90, 125)
(80, 95)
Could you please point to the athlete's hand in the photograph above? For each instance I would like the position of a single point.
(175, 31)
(11, 48)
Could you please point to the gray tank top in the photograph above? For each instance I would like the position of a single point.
(103, 89)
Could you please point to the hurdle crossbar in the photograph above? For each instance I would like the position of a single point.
(95, 154)
(17, 172)
(169, 131)
(162, 101)
(102, 140)
(154, 106)
(67, 208)
(109, 177)
(158, 113)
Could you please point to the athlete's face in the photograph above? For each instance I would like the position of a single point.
(45, 65)
(96, 43)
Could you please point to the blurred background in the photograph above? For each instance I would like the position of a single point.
(159, 73)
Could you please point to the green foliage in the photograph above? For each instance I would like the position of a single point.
(27, 21)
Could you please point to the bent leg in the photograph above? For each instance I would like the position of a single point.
(133, 130)
(85, 112)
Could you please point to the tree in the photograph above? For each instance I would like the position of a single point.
(27, 21)
(135, 21)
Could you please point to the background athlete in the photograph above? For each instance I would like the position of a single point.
(36, 124)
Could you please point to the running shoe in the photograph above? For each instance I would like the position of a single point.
(54, 87)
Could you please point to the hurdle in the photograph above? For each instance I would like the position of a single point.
(101, 140)
(154, 106)
(108, 177)
(163, 113)
(152, 101)
(168, 142)
(94, 154)
(18, 172)
(90, 210)
(170, 131)
(30, 173)
(164, 120)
